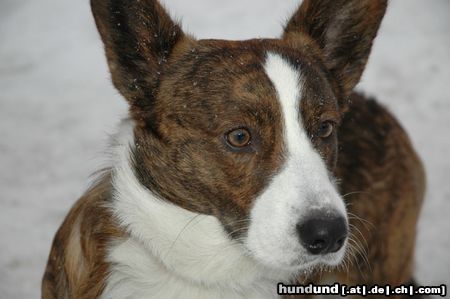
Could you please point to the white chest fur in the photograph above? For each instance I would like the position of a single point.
(139, 274)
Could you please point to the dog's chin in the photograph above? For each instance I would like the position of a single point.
(305, 264)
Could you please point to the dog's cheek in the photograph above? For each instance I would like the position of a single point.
(206, 174)
(229, 179)
(226, 181)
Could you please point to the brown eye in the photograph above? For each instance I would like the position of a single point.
(326, 129)
(239, 137)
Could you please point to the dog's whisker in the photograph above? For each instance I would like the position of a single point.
(237, 221)
(356, 229)
(356, 252)
(181, 231)
(363, 253)
(355, 192)
(353, 216)
(350, 258)
(236, 231)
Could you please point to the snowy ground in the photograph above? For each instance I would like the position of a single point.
(57, 104)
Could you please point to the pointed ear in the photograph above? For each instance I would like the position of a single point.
(343, 29)
(138, 36)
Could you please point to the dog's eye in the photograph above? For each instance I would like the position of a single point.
(239, 137)
(326, 129)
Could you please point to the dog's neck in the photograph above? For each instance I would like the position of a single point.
(171, 250)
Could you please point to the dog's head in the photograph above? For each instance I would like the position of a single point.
(245, 130)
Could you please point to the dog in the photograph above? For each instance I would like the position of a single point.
(242, 164)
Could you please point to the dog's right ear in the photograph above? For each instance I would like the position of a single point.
(139, 36)
(343, 30)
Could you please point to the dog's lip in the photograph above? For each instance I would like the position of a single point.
(314, 261)
(307, 262)
(297, 265)
(306, 265)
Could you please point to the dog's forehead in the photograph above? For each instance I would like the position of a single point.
(228, 78)
(243, 57)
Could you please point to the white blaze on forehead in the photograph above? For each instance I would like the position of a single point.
(286, 81)
(301, 186)
(301, 153)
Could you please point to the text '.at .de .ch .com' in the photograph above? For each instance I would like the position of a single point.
(361, 290)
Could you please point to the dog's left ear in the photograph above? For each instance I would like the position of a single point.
(139, 37)
(344, 31)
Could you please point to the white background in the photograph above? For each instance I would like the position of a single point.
(57, 105)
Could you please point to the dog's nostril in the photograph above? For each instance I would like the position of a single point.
(323, 234)
(338, 245)
(317, 246)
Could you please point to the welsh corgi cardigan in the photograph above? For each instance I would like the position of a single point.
(242, 164)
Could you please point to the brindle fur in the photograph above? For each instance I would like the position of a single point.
(76, 266)
(385, 183)
(184, 94)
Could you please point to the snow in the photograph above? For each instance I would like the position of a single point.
(57, 106)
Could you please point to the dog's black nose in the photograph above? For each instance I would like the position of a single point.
(323, 234)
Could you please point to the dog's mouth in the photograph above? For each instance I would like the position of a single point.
(304, 265)
(330, 259)
(311, 262)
